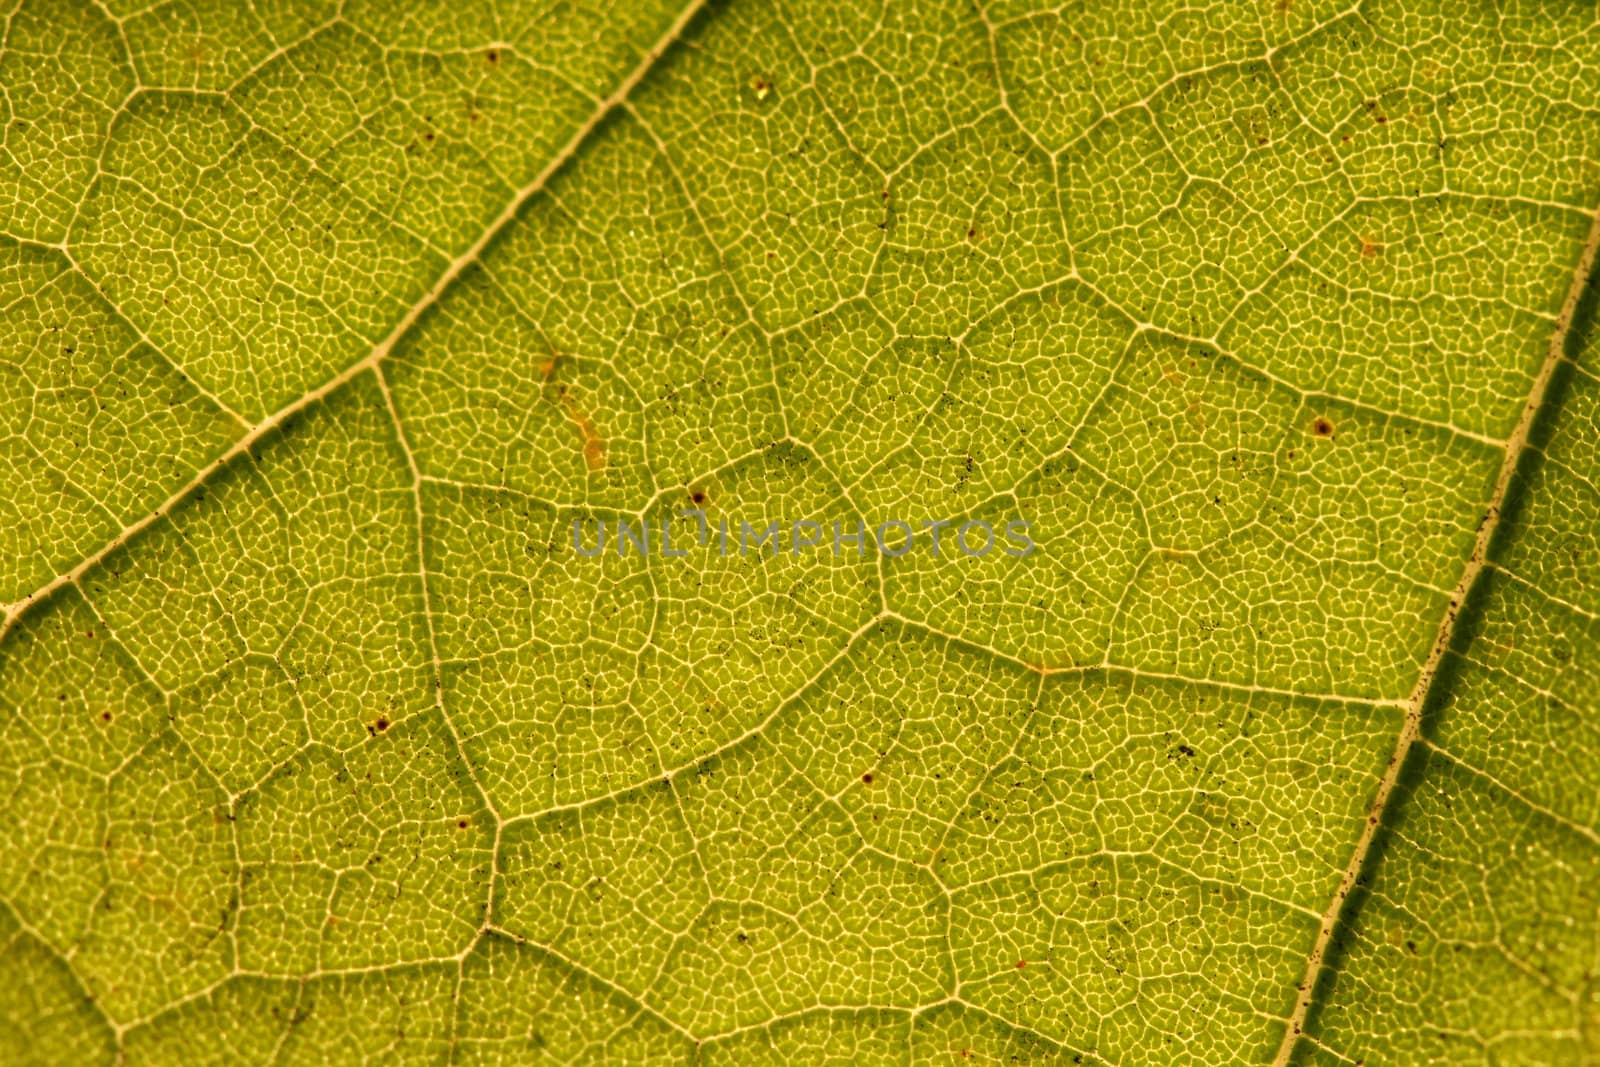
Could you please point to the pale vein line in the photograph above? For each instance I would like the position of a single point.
(573, 967)
(1543, 594)
(1571, 825)
(1108, 666)
(1410, 730)
(454, 270)
(427, 604)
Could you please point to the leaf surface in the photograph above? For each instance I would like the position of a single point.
(324, 325)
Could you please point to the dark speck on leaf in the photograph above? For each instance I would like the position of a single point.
(1322, 427)
(867, 778)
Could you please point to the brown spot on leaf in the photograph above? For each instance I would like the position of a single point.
(1322, 427)
(1370, 248)
(379, 725)
(867, 778)
(594, 446)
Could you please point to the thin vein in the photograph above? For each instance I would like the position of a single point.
(1570, 825)
(427, 598)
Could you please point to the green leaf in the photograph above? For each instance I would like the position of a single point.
(325, 326)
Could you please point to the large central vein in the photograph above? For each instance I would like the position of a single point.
(1410, 729)
(469, 256)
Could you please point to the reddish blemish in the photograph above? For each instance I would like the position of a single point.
(594, 447)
